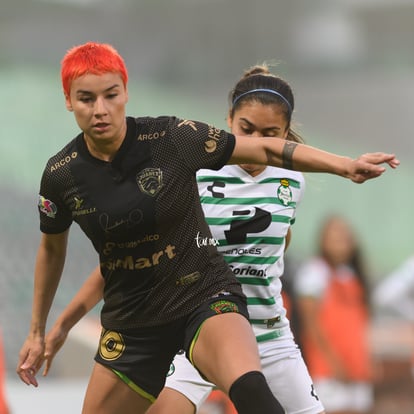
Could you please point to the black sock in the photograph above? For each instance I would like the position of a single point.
(251, 394)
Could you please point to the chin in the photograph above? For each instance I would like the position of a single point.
(252, 168)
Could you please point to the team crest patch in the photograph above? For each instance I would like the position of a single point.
(284, 193)
(48, 207)
(150, 181)
(111, 345)
(224, 306)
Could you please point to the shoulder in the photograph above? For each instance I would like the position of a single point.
(169, 121)
(312, 277)
(314, 265)
(63, 157)
(160, 123)
(151, 120)
(178, 129)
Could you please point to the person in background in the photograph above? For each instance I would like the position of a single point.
(395, 294)
(130, 183)
(334, 309)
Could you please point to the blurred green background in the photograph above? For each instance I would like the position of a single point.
(349, 62)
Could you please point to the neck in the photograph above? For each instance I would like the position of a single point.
(102, 151)
(105, 148)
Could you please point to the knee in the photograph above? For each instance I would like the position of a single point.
(250, 393)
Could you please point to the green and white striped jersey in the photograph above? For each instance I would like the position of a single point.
(249, 218)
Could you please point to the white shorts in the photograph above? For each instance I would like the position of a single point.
(282, 365)
(341, 396)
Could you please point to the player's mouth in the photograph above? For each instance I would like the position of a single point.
(101, 127)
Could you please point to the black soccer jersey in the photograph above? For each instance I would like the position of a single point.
(142, 213)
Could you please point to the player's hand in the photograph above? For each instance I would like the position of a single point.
(31, 358)
(369, 166)
(55, 338)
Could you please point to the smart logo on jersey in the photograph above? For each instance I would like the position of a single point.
(284, 193)
(139, 263)
(149, 181)
(48, 207)
(111, 345)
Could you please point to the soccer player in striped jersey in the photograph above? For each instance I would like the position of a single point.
(250, 210)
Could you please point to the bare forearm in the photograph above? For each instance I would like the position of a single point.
(305, 158)
(309, 159)
(290, 155)
(286, 154)
(48, 271)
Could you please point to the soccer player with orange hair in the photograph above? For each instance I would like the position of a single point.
(130, 184)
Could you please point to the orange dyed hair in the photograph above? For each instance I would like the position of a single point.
(93, 58)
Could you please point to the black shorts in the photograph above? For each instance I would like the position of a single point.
(142, 357)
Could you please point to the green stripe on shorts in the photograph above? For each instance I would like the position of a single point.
(134, 386)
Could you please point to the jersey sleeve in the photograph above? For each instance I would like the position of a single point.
(298, 195)
(201, 145)
(311, 279)
(54, 215)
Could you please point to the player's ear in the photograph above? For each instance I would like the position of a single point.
(68, 103)
(229, 120)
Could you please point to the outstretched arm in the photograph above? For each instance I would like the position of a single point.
(90, 293)
(291, 155)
